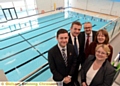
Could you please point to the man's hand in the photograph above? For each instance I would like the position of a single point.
(84, 84)
(67, 80)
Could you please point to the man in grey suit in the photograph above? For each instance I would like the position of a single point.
(88, 32)
(62, 59)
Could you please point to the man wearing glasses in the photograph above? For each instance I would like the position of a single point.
(86, 37)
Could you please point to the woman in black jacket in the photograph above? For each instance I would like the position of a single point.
(97, 71)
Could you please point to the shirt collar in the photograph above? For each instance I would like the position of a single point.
(89, 35)
(73, 36)
(62, 47)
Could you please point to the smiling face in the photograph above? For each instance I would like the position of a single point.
(102, 51)
(100, 38)
(62, 39)
(88, 28)
(75, 30)
(101, 54)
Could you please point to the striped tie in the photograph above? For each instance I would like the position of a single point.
(64, 56)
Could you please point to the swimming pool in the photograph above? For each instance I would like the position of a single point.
(24, 45)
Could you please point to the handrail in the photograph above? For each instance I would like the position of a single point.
(109, 23)
(114, 29)
(116, 77)
(24, 78)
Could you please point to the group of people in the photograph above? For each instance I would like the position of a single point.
(90, 49)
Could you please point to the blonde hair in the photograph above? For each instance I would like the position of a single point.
(105, 47)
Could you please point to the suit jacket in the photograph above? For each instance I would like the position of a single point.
(82, 44)
(70, 41)
(91, 50)
(57, 64)
(104, 76)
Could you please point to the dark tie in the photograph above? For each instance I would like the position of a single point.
(64, 56)
(87, 43)
(75, 46)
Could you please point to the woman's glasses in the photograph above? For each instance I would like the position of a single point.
(102, 53)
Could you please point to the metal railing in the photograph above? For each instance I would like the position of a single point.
(27, 76)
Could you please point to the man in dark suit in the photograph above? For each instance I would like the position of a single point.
(62, 59)
(86, 34)
(74, 35)
(74, 39)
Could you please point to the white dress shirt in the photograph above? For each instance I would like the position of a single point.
(63, 48)
(90, 75)
(72, 38)
(90, 38)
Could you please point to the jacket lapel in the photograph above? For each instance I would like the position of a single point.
(83, 39)
(70, 40)
(69, 53)
(93, 36)
(59, 55)
(98, 76)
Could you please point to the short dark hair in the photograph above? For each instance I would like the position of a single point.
(77, 23)
(105, 33)
(60, 31)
